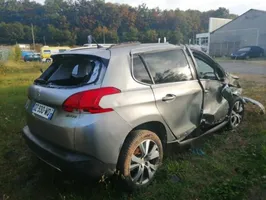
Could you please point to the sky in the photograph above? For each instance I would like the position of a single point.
(235, 6)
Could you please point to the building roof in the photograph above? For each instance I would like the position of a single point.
(238, 18)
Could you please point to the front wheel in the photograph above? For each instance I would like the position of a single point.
(140, 157)
(236, 113)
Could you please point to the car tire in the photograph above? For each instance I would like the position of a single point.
(140, 157)
(236, 113)
(247, 57)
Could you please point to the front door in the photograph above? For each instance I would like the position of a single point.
(177, 94)
(215, 106)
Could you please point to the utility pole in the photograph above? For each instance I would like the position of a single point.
(44, 41)
(33, 39)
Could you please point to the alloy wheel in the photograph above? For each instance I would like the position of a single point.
(144, 162)
(237, 113)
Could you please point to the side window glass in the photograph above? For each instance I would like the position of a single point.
(168, 66)
(139, 71)
(205, 71)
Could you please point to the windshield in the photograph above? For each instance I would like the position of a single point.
(246, 49)
(71, 70)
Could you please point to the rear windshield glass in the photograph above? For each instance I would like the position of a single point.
(71, 70)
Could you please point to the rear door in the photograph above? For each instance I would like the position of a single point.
(177, 93)
(211, 74)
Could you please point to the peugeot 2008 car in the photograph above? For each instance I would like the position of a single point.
(98, 111)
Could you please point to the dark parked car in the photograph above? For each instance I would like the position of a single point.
(32, 57)
(248, 52)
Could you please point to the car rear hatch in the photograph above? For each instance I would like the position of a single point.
(68, 75)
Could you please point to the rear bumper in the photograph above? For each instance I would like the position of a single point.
(64, 160)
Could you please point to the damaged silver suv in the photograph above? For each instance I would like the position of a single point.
(98, 111)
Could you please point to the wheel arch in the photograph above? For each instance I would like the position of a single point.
(154, 126)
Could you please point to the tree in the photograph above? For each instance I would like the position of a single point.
(131, 35)
(68, 22)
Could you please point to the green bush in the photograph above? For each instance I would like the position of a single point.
(15, 54)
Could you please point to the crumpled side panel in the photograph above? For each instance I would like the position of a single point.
(254, 102)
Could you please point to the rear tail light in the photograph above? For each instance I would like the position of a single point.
(88, 101)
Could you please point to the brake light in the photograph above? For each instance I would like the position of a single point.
(88, 101)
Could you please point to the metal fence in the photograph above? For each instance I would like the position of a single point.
(223, 43)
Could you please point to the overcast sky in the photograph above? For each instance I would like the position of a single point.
(235, 6)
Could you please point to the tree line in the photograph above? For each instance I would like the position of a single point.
(69, 22)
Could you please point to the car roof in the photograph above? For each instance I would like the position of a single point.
(140, 48)
(120, 49)
(102, 52)
(250, 47)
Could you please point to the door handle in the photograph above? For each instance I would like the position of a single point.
(169, 97)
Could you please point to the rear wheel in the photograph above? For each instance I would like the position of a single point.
(236, 113)
(140, 157)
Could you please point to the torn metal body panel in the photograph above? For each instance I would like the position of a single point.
(232, 88)
(223, 103)
(254, 102)
(215, 105)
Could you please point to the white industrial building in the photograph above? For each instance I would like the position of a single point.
(203, 39)
(249, 29)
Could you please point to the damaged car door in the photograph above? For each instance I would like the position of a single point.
(177, 93)
(211, 75)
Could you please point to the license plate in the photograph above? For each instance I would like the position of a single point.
(43, 111)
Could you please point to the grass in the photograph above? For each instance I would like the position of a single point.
(233, 166)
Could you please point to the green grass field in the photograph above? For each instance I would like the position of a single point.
(233, 166)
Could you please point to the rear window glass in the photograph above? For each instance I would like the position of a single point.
(139, 71)
(72, 70)
(47, 51)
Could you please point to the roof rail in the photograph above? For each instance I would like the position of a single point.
(124, 44)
